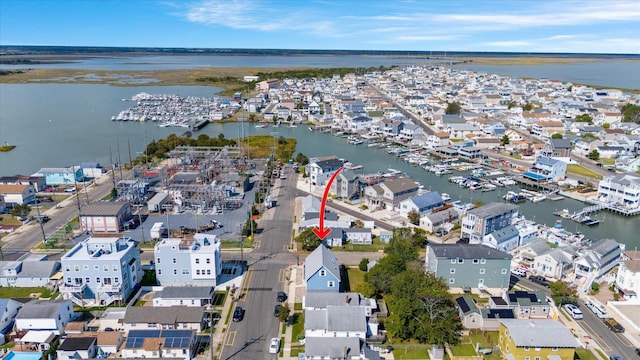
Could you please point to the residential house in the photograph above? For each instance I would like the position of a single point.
(160, 344)
(385, 236)
(336, 321)
(611, 152)
(339, 348)
(28, 273)
(438, 139)
(422, 204)
(527, 304)
(557, 148)
(597, 260)
(411, 131)
(78, 348)
(505, 239)
(196, 296)
(545, 129)
(188, 262)
(361, 236)
(547, 169)
(8, 311)
(322, 270)
(627, 282)
(360, 124)
(485, 318)
(105, 217)
(18, 194)
(347, 185)
(622, 190)
(439, 220)
(331, 220)
(101, 271)
(628, 163)
(521, 339)
(462, 131)
(172, 317)
(92, 169)
(45, 315)
(315, 300)
(320, 170)
(469, 266)
(554, 264)
(108, 342)
(390, 193)
(37, 182)
(61, 176)
(484, 220)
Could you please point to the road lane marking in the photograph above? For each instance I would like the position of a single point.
(244, 290)
(231, 338)
(601, 343)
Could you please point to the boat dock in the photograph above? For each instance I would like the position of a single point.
(199, 125)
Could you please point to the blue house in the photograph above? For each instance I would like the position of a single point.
(322, 271)
(421, 203)
(546, 168)
(61, 176)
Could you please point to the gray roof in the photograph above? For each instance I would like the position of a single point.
(505, 234)
(625, 179)
(493, 209)
(77, 343)
(400, 184)
(440, 216)
(329, 163)
(332, 347)
(42, 309)
(103, 208)
(561, 143)
(467, 305)
(310, 203)
(324, 299)
(540, 333)
(604, 246)
(185, 292)
(39, 269)
(337, 318)
(320, 257)
(428, 200)
(467, 251)
(167, 315)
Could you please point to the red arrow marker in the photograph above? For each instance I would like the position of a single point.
(322, 232)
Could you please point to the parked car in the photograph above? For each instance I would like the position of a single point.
(611, 169)
(519, 272)
(617, 357)
(540, 280)
(276, 310)
(613, 325)
(43, 219)
(274, 346)
(282, 297)
(70, 190)
(573, 311)
(238, 314)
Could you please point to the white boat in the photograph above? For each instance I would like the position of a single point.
(356, 142)
(293, 126)
(443, 172)
(310, 128)
(538, 198)
(445, 197)
(261, 126)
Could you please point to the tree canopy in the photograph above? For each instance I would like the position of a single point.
(594, 155)
(504, 140)
(453, 108)
(631, 113)
(584, 118)
(556, 136)
(414, 217)
(561, 293)
(309, 240)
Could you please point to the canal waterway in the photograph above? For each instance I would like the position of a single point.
(55, 125)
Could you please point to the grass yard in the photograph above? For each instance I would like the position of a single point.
(402, 352)
(24, 292)
(375, 246)
(295, 350)
(297, 330)
(582, 171)
(463, 350)
(585, 354)
(355, 277)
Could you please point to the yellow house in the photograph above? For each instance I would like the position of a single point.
(536, 339)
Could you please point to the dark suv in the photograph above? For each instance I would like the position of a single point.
(539, 280)
(282, 297)
(238, 314)
(276, 310)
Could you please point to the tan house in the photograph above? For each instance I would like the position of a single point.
(17, 194)
(529, 339)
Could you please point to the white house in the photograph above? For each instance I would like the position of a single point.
(174, 317)
(336, 321)
(78, 348)
(8, 311)
(554, 263)
(188, 262)
(628, 276)
(196, 296)
(52, 315)
(320, 170)
(17, 194)
(622, 190)
(597, 260)
(158, 344)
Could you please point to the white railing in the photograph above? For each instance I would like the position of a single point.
(68, 288)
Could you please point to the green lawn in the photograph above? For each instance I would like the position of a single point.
(355, 278)
(608, 161)
(463, 350)
(375, 246)
(585, 354)
(24, 292)
(582, 171)
(297, 330)
(402, 352)
(295, 350)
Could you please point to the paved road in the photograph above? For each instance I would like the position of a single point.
(427, 130)
(249, 339)
(607, 340)
(26, 237)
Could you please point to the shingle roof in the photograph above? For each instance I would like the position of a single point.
(428, 200)
(320, 257)
(540, 333)
(185, 292)
(77, 343)
(41, 309)
(493, 209)
(103, 208)
(168, 315)
(331, 347)
(323, 299)
(401, 184)
(467, 251)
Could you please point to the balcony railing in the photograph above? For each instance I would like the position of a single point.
(71, 288)
(110, 288)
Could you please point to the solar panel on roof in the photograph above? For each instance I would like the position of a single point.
(144, 333)
(175, 333)
(462, 304)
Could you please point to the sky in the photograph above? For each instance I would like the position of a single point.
(591, 26)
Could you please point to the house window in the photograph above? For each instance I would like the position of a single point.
(185, 271)
(323, 273)
(460, 261)
(537, 357)
(175, 271)
(526, 348)
(555, 348)
(527, 358)
(208, 271)
(76, 268)
(85, 267)
(452, 271)
(197, 271)
(483, 261)
(158, 261)
(197, 261)
(159, 271)
(482, 271)
(452, 280)
(87, 280)
(105, 268)
(173, 260)
(331, 284)
(98, 280)
(116, 280)
(208, 261)
(453, 261)
(476, 261)
(96, 267)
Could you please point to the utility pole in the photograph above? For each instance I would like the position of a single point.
(41, 221)
(113, 170)
(75, 181)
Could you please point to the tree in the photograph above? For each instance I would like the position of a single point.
(284, 312)
(528, 107)
(309, 240)
(512, 104)
(630, 113)
(414, 217)
(594, 155)
(400, 252)
(504, 140)
(556, 136)
(358, 224)
(363, 264)
(249, 227)
(606, 126)
(302, 159)
(21, 210)
(584, 118)
(423, 309)
(453, 108)
(561, 293)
